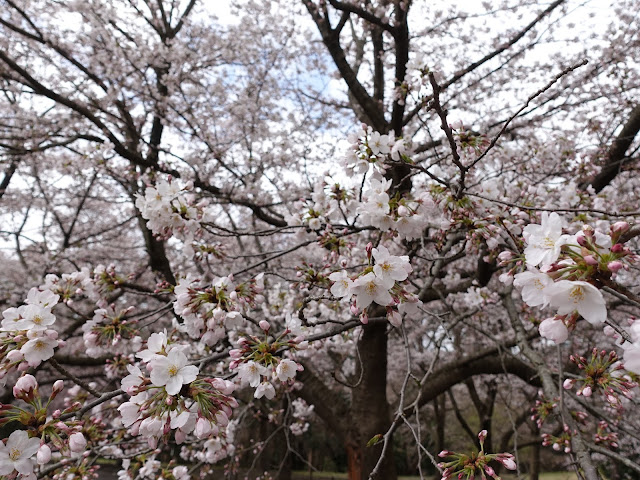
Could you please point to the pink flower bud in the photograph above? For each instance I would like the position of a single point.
(44, 454)
(490, 471)
(505, 256)
(77, 442)
(581, 239)
(620, 227)
(615, 266)
(58, 385)
(403, 211)
(586, 391)
(264, 325)
(590, 260)
(617, 248)
(482, 436)
(15, 356)
(354, 309)
(369, 249)
(568, 384)
(25, 387)
(508, 463)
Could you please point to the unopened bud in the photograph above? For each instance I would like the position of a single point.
(619, 227)
(58, 386)
(264, 325)
(615, 266)
(590, 260)
(369, 249)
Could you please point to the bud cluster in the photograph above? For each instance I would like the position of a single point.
(475, 464)
(259, 359)
(209, 310)
(604, 373)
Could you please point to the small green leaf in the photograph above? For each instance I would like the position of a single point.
(375, 440)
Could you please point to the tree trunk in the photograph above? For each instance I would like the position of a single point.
(534, 463)
(370, 414)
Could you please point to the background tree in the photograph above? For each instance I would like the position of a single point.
(171, 174)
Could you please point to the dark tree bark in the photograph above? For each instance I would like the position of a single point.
(615, 156)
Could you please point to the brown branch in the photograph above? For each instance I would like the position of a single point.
(487, 57)
(615, 155)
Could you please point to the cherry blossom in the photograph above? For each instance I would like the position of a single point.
(570, 296)
(18, 453)
(370, 288)
(533, 283)
(343, 284)
(172, 371)
(544, 241)
(389, 267)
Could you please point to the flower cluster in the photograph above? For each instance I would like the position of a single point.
(259, 362)
(560, 442)
(107, 329)
(330, 202)
(405, 216)
(301, 413)
(372, 148)
(169, 210)
(602, 373)
(26, 336)
(378, 283)
(208, 311)
(42, 435)
(476, 464)
(542, 410)
(571, 270)
(173, 398)
(604, 436)
(70, 285)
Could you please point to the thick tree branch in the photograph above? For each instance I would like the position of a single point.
(615, 155)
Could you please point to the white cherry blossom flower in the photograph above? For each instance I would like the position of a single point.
(286, 369)
(44, 299)
(342, 286)
(632, 357)
(389, 267)
(155, 344)
(77, 442)
(35, 317)
(544, 241)
(38, 350)
(172, 371)
(129, 412)
(265, 389)
(568, 297)
(18, 452)
(370, 288)
(533, 284)
(132, 380)
(379, 143)
(250, 372)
